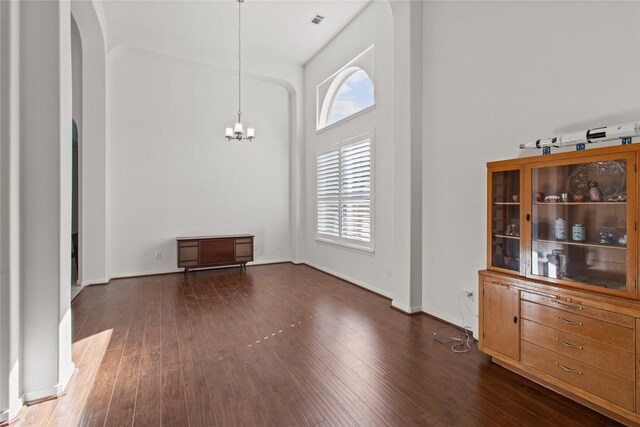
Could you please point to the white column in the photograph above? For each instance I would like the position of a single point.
(297, 185)
(45, 196)
(407, 52)
(10, 346)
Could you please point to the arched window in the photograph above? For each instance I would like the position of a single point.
(354, 94)
(348, 92)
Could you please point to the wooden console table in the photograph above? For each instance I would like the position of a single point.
(214, 251)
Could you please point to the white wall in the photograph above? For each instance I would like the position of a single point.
(94, 131)
(173, 173)
(372, 26)
(497, 74)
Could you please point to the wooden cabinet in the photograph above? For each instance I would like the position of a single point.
(581, 344)
(562, 258)
(214, 251)
(637, 366)
(501, 314)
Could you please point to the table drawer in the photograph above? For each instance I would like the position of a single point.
(579, 308)
(593, 380)
(243, 250)
(189, 253)
(604, 357)
(188, 243)
(244, 240)
(597, 330)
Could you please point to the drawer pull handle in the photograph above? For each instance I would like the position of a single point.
(569, 370)
(568, 344)
(567, 306)
(568, 322)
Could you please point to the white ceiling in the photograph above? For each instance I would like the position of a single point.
(278, 28)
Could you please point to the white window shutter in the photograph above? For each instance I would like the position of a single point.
(344, 194)
(328, 181)
(355, 207)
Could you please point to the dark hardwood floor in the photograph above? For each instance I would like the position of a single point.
(279, 345)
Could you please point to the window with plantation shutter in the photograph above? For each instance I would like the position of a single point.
(329, 193)
(344, 205)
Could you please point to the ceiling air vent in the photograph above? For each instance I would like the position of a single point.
(317, 19)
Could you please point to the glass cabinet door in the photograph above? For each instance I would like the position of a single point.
(504, 216)
(579, 223)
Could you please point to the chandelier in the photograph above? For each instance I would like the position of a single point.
(237, 132)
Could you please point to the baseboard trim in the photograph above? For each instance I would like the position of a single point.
(405, 308)
(181, 270)
(94, 282)
(270, 261)
(352, 281)
(42, 395)
(447, 319)
(133, 274)
(4, 416)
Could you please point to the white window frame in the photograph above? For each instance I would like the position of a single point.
(352, 244)
(327, 91)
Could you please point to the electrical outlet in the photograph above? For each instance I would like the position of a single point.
(158, 254)
(468, 294)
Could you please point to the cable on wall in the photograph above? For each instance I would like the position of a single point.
(461, 340)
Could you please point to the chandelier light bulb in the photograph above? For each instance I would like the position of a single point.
(228, 132)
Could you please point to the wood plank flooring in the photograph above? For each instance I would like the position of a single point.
(279, 345)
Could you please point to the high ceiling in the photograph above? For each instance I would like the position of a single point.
(277, 28)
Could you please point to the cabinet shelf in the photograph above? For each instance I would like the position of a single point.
(570, 243)
(578, 203)
(504, 236)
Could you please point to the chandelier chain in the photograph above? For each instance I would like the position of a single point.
(239, 61)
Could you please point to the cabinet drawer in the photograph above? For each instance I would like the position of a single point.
(243, 250)
(217, 251)
(604, 357)
(597, 330)
(502, 281)
(244, 240)
(578, 308)
(593, 380)
(189, 253)
(188, 243)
